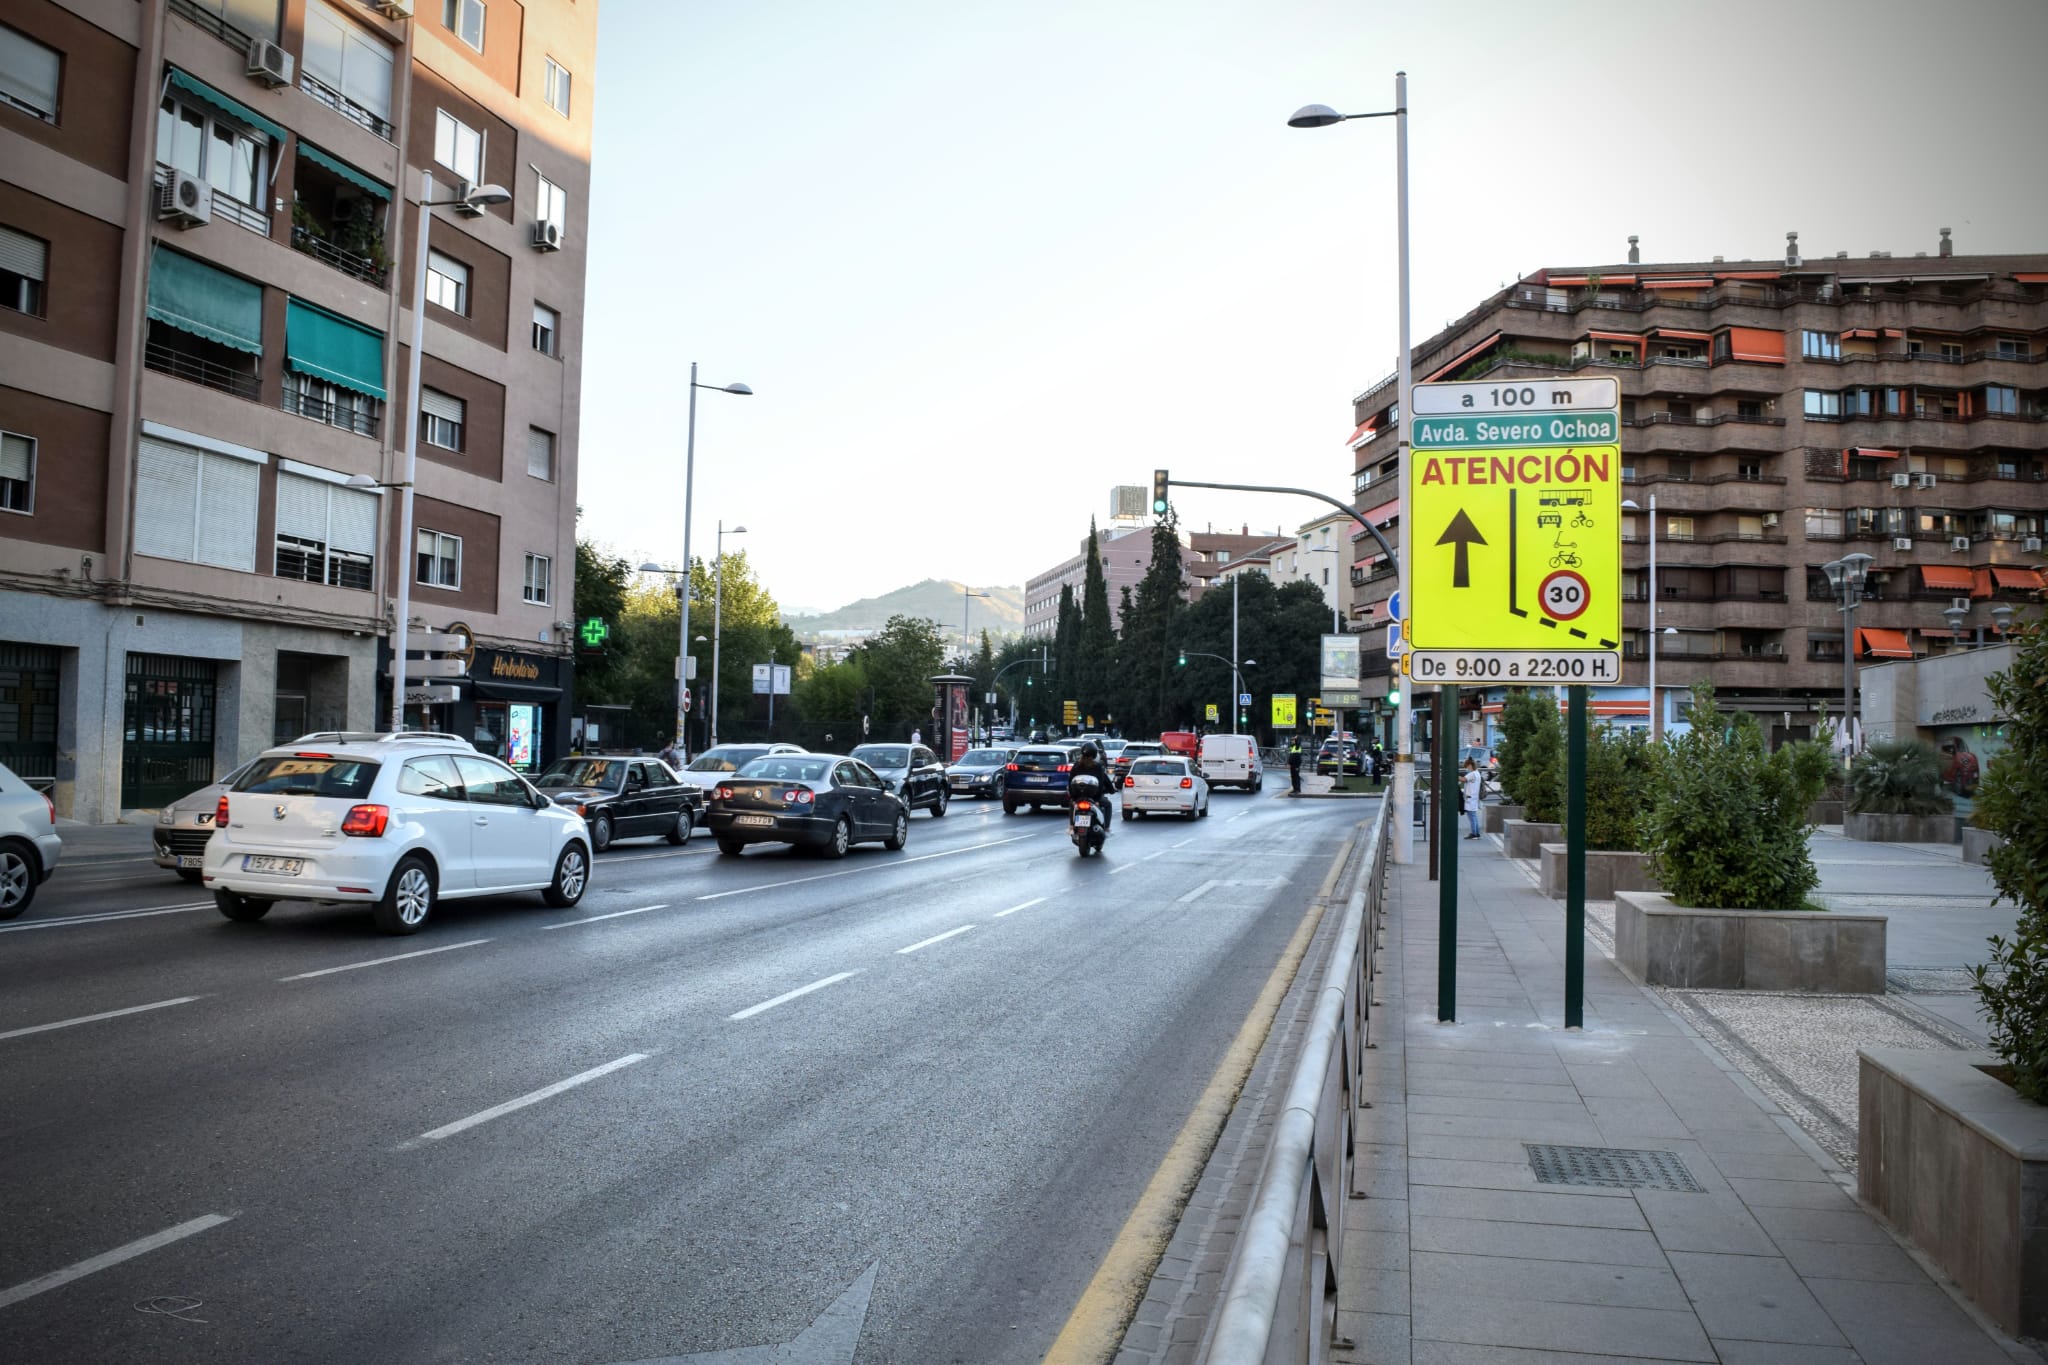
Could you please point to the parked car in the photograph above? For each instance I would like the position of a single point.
(397, 823)
(1120, 766)
(184, 826)
(980, 772)
(624, 798)
(820, 801)
(1336, 753)
(715, 764)
(1165, 786)
(911, 770)
(1233, 761)
(29, 846)
(1037, 776)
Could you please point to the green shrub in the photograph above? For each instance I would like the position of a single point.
(1520, 717)
(1726, 827)
(1543, 765)
(1897, 777)
(1620, 773)
(2012, 801)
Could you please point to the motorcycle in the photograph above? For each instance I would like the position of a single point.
(1087, 816)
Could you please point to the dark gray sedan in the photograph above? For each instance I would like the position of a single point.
(980, 772)
(819, 801)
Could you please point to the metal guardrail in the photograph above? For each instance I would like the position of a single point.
(1279, 1301)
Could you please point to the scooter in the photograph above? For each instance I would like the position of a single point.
(1087, 817)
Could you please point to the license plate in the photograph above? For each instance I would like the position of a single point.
(191, 860)
(754, 820)
(1035, 780)
(257, 862)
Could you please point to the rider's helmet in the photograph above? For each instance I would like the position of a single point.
(1088, 751)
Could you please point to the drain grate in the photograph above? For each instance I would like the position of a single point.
(1611, 1167)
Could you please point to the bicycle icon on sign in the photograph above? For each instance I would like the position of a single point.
(1566, 554)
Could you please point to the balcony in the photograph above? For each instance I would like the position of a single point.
(224, 206)
(343, 105)
(347, 262)
(339, 224)
(209, 21)
(200, 362)
(359, 416)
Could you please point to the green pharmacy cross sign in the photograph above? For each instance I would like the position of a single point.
(594, 632)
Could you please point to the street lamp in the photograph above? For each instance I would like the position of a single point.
(718, 618)
(479, 197)
(1656, 711)
(1236, 678)
(1322, 116)
(689, 490)
(1845, 576)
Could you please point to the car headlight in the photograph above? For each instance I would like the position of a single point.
(166, 817)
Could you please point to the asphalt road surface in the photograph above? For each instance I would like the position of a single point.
(893, 1108)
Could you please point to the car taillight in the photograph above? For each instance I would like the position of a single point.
(53, 807)
(366, 822)
(1065, 768)
(304, 754)
(1130, 782)
(1187, 783)
(220, 812)
(1011, 767)
(722, 794)
(802, 796)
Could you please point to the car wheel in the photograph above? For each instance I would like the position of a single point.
(1190, 813)
(1204, 811)
(999, 788)
(842, 837)
(939, 806)
(1128, 817)
(901, 832)
(601, 833)
(191, 874)
(408, 901)
(679, 833)
(241, 909)
(572, 875)
(731, 847)
(1009, 809)
(18, 877)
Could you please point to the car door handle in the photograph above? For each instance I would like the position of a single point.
(483, 819)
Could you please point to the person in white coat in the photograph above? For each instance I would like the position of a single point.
(1470, 782)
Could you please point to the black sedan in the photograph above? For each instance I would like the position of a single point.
(624, 798)
(911, 769)
(819, 801)
(980, 772)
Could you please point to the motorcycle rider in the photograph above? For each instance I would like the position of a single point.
(1088, 763)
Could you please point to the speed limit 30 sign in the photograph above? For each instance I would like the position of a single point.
(1564, 595)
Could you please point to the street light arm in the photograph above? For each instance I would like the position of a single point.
(1345, 508)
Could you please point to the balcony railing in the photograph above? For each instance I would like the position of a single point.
(346, 107)
(202, 18)
(361, 418)
(180, 365)
(347, 262)
(225, 206)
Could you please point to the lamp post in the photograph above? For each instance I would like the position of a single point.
(1322, 116)
(718, 620)
(689, 489)
(407, 555)
(1236, 678)
(1656, 711)
(1845, 576)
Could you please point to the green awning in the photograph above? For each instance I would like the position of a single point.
(343, 169)
(318, 343)
(206, 94)
(193, 297)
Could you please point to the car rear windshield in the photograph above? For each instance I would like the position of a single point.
(1159, 767)
(883, 755)
(725, 759)
(310, 775)
(1041, 758)
(788, 768)
(982, 758)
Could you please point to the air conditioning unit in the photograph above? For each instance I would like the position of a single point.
(463, 190)
(2031, 544)
(1930, 480)
(1958, 604)
(547, 236)
(1959, 542)
(1770, 518)
(396, 9)
(1902, 480)
(185, 200)
(1902, 542)
(270, 63)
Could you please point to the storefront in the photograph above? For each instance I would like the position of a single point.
(512, 705)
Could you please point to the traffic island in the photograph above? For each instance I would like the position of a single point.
(1658, 943)
(1979, 844)
(1495, 817)
(1899, 829)
(1607, 871)
(1959, 1162)
(1523, 838)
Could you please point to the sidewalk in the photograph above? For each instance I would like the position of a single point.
(1744, 1244)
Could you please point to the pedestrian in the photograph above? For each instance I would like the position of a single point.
(1294, 763)
(1468, 800)
(671, 755)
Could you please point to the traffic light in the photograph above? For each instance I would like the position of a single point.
(1394, 693)
(1159, 484)
(1183, 661)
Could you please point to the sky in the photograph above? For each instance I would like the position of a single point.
(981, 262)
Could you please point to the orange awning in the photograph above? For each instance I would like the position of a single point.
(1940, 633)
(1632, 338)
(1745, 274)
(1936, 577)
(1359, 434)
(1689, 336)
(1870, 453)
(1379, 515)
(1870, 332)
(1885, 644)
(2016, 578)
(1757, 343)
(1587, 279)
(1678, 284)
(1894, 332)
(1463, 356)
(1621, 708)
(1980, 582)
(2031, 277)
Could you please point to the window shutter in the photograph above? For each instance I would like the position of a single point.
(353, 527)
(301, 507)
(434, 403)
(540, 453)
(228, 491)
(15, 462)
(326, 37)
(28, 71)
(24, 255)
(166, 499)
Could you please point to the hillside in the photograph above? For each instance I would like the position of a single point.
(938, 599)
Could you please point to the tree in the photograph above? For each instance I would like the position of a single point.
(1520, 717)
(1095, 645)
(601, 582)
(829, 703)
(2012, 801)
(899, 663)
(1066, 631)
(1145, 649)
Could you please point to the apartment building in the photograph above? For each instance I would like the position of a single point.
(1126, 552)
(206, 265)
(1318, 555)
(1778, 415)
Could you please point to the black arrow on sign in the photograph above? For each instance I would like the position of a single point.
(1462, 533)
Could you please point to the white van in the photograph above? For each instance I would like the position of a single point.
(1232, 761)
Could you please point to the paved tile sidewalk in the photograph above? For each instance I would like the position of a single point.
(1457, 1255)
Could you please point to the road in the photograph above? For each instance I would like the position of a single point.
(906, 1099)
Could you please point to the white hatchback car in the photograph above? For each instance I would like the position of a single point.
(397, 822)
(1165, 786)
(29, 846)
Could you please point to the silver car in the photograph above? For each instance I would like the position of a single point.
(184, 826)
(29, 846)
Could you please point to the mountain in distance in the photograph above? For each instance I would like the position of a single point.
(938, 599)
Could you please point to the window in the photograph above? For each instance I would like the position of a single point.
(434, 776)
(17, 473)
(320, 401)
(346, 68)
(441, 419)
(24, 266)
(1820, 345)
(2012, 348)
(1749, 471)
(547, 330)
(1952, 351)
(540, 453)
(556, 88)
(465, 19)
(1822, 404)
(1678, 528)
(448, 283)
(1859, 402)
(1913, 347)
(1621, 355)
(440, 559)
(539, 580)
(490, 783)
(458, 146)
(2000, 398)
(195, 505)
(212, 147)
(326, 533)
(551, 204)
(1749, 410)
(1824, 523)
(28, 75)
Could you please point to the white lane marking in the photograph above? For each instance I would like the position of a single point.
(645, 857)
(380, 961)
(1200, 890)
(1035, 900)
(95, 1018)
(935, 938)
(616, 914)
(1183, 843)
(787, 996)
(28, 1289)
(877, 867)
(1124, 867)
(534, 1097)
(102, 918)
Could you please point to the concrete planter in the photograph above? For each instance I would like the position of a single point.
(1607, 872)
(1493, 819)
(1900, 829)
(1978, 843)
(1524, 837)
(1661, 944)
(1959, 1163)
(1824, 813)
